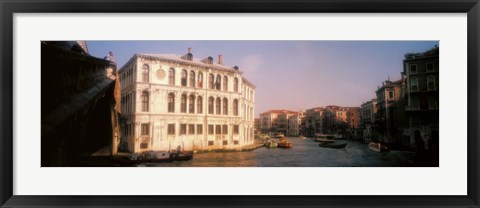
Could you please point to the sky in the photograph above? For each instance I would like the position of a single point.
(291, 75)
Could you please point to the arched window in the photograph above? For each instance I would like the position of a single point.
(218, 83)
(192, 79)
(210, 81)
(191, 104)
(171, 76)
(199, 104)
(145, 99)
(218, 106)
(413, 84)
(235, 85)
(225, 106)
(145, 72)
(183, 104)
(431, 82)
(171, 103)
(251, 94)
(200, 80)
(225, 83)
(210, 105)
(235, 107)
(184, 78)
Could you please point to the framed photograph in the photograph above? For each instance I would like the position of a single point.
(245, 104)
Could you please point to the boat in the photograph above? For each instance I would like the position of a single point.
(378, 147)
(283, 143)
(181, 156)
(271, 144)
(333, 145)
(302, 137)
(278, 135)
(338, 136)
(153, 157)
(324, 138)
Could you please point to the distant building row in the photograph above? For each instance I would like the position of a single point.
(321, 120)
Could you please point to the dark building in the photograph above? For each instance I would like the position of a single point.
(78, 105)
(422, 78)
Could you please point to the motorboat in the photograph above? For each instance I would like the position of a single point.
(378, 147)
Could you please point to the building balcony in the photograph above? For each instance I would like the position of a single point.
(412, 108)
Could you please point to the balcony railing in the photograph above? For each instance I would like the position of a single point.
(412, 108)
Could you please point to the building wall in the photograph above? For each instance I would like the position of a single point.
(156, 118)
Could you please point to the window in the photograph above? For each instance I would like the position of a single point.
(225, 83)
(235, 107)
(145, 101)
(210, 129)
(145, 71)
(200, 80)
(390, 95)
(171, 76)
(210, 143)
(183, 129)
(225, 142)
(431, 83)
(218, 129)
(171, 103)
(430, 67)
(413, 69)
(235, 85)
(184, 78)
(199, 129)
(210, 81)
(183, 104)
(218, 106)
(191, 128)
(171, 129)
(413, 84)
(145, 129)
(210, 105)
(225, 129)
(218, 82)
(199, 104)
(192, 79)
(191, 104)
(225, 106)
(235, 129)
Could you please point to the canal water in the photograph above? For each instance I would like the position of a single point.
(304, 153)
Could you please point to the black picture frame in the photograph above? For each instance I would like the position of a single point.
(10, 7)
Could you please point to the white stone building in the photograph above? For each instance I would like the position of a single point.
(173, 100)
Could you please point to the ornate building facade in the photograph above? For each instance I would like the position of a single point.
(173, 100)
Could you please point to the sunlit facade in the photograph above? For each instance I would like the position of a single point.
(173, 100)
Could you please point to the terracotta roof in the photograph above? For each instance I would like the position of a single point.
(279, 112)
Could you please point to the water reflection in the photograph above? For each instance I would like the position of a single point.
(305, 153)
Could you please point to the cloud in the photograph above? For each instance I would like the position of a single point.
(251, 63)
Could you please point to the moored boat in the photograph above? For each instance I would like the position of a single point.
(271, 144)
(278, 135)
(333, 145)
(378, 147)
(283, 143)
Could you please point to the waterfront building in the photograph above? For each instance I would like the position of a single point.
(171, 100)
(367, 119)
(275, 121)
(256, 126)
(422, 77)
(314, 121)
(353, 131)
(390, 118)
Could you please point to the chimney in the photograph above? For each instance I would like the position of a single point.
(189, 50)
(220, 59)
